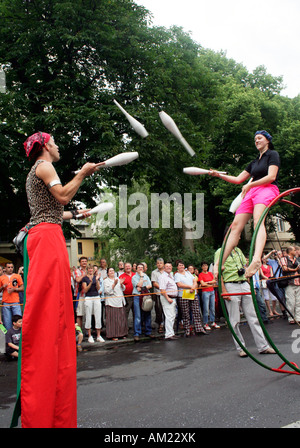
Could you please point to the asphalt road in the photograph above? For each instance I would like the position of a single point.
(189, 383)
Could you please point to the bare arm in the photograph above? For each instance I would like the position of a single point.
(244, 175)
(16, 289)
(270, 253)
(183, 285)
(224, 291)
(13, 346)
(64, 194)
(208, 283)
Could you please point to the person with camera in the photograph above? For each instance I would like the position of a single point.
(234, 282)
(291, 267)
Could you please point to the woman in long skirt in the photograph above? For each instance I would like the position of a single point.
(116, 320)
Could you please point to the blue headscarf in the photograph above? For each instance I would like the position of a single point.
(265, 134)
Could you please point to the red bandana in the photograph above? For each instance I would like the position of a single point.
(36, 141)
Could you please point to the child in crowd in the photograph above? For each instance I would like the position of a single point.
(12, 337)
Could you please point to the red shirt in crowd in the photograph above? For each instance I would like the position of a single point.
(127, 283)
(266, 270)
(206, 277)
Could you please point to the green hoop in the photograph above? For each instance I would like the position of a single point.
(295, 368)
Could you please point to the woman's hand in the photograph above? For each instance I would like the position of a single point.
(245, 189)
(213, 173)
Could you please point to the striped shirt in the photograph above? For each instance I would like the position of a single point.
(166, 283)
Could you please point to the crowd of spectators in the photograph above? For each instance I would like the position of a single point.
(171, 300)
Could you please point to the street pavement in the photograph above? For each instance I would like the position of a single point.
(190, 383)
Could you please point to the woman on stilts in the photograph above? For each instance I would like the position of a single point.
(257, 195)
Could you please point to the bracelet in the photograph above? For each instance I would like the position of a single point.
(74, 213)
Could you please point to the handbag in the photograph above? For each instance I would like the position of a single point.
(283, 282)
(20, 237)
(146, 300)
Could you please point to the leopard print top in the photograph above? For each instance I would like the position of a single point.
(43, 205)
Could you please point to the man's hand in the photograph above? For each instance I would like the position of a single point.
(224, 296)
(90, 168)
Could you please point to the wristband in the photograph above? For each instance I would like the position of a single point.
(74, 213)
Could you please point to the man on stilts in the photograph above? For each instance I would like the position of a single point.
(47, 365)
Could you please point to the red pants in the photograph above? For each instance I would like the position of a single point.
(48, 364)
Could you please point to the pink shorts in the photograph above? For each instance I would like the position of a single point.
(264, 194)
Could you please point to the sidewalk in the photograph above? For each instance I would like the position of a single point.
(156, 336)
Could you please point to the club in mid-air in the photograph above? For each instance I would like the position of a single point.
(136, 125)
(170, 124)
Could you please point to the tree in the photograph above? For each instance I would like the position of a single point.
(62, 62)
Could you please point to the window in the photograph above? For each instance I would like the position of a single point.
(79, 248)
(280, 224)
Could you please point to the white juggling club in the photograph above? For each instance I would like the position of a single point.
(118, 160)
(136, 125)
(100, 208)
(237, 202)
(170, 124)
(194, 171)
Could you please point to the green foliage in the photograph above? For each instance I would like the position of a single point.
(150, 239)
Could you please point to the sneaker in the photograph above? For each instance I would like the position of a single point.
(79, 348)
(214, 325)
(91, 340)
(100, 339)
(242, 354)
(207, 327)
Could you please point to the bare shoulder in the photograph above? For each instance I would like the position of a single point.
(46, 171)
